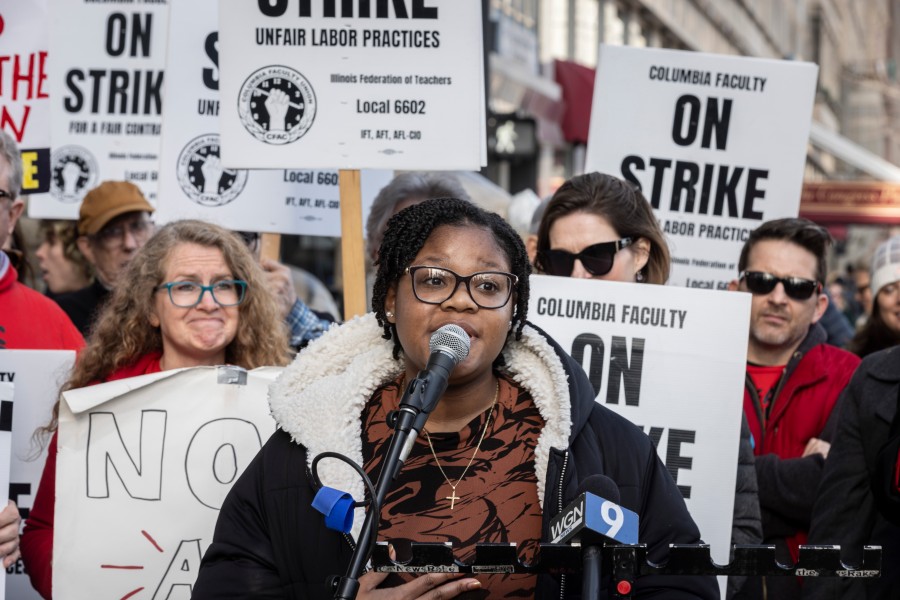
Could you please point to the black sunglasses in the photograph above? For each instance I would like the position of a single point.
(597, 259)
(795, 287)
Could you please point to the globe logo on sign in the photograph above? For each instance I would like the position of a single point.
(202, 177)
(73, 171)
(277, 105)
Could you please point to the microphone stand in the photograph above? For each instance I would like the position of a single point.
(414, 403)
(591, 558)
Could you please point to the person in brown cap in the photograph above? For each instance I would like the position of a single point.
(113, 224)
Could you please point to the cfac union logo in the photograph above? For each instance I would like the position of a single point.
(73, 172)
(277, 105)
(201, 174)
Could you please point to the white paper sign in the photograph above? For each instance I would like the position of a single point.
(193, 182)
(383, 85)
(671, 360)
(106, 80)
(24, 90)
(716, 143)
(7, 394)
(146, 464)
(37, 376)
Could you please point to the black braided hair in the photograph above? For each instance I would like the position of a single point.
(409, 229)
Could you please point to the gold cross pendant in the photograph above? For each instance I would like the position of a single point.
(452, 498)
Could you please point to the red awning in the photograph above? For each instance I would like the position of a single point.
(577, 83)
(842, 202)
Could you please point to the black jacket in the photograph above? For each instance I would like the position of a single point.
(84, 305)
(746, 524)
(844, 512)
(270, 543)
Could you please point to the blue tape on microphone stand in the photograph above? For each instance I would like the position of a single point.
(337, 506)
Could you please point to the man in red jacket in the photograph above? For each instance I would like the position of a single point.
(28, 320)
(793, 378)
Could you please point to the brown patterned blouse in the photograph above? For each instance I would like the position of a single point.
(496, 500)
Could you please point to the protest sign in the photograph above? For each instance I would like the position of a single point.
(193, 184)
(672, 361)
(37, 376)
(716, 143)
(386, 85)
(106, 80)
(24, 91)
(7, 392)
(146, 464)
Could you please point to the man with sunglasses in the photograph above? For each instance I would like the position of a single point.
(793, 378)
(113, 224)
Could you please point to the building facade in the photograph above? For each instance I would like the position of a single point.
(855, 133)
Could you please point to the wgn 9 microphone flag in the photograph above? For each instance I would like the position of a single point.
(595, 515)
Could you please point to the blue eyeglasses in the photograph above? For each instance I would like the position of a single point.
(187, 294)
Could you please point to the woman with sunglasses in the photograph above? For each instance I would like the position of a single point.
(600, 227)
(192, 296)
(504, 451)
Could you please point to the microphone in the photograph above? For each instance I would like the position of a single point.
(449, 346)
(593, 518)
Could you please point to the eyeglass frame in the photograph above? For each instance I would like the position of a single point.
(410, 270)
(619, 244)
(786, 282)
(242, 285)
(112, 239)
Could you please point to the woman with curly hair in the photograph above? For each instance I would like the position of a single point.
(192, 296)
(505, 449)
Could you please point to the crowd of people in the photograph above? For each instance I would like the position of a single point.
(517, 430)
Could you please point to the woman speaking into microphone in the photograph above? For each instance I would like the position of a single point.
(504, 450)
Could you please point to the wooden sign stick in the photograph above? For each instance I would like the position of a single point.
(270, 246)
(352, 250)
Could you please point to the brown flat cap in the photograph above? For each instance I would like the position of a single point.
(106, 202)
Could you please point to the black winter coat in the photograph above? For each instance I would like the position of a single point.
(844, 512)
(270, 544)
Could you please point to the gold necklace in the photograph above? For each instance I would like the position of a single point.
(453, 497)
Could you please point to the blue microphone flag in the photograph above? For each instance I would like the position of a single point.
(590, 515)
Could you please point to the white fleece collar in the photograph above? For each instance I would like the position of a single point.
(320, 397)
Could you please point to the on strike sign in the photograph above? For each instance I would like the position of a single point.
(106, 82)
(716, 143)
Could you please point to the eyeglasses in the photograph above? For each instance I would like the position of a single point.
(597, 258)
(114, 236)
(795, 287)
(488, 289)
(187, 294)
